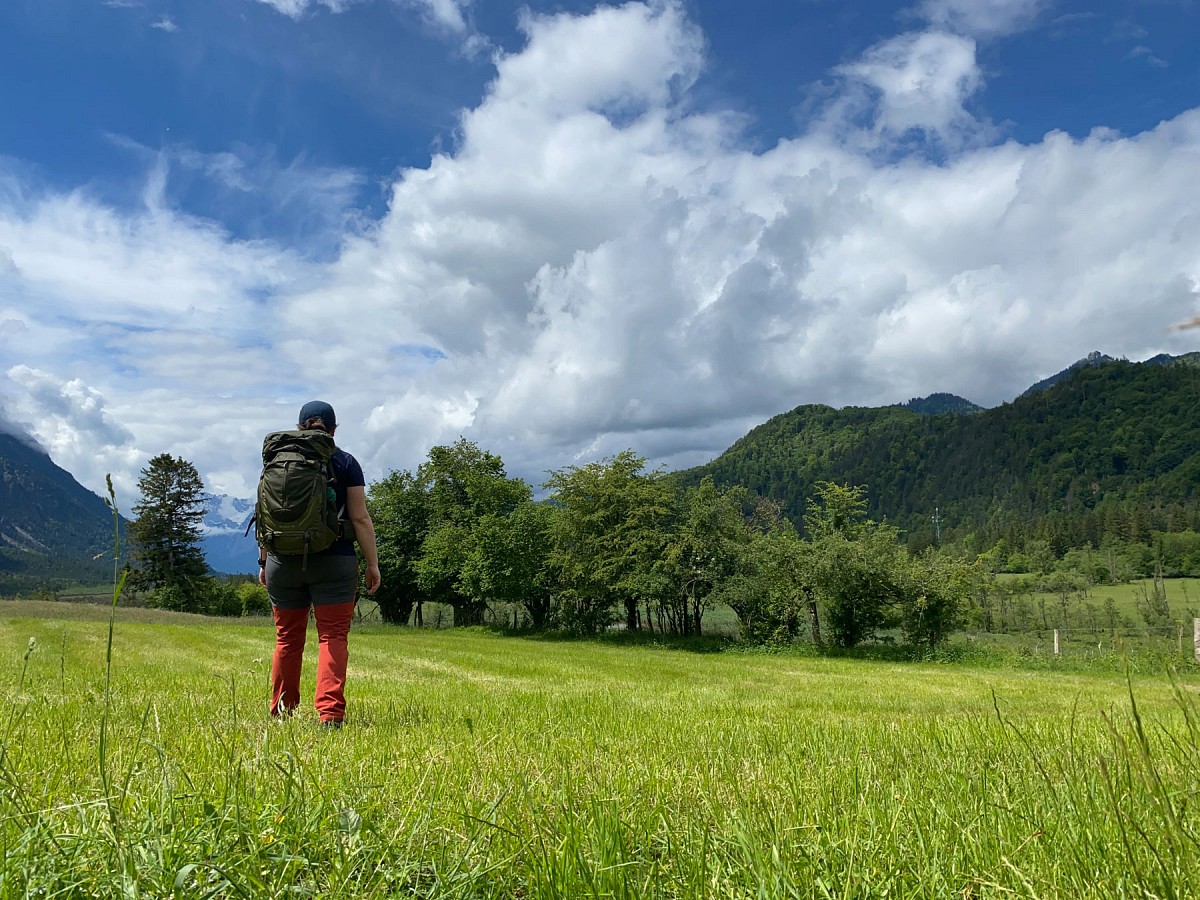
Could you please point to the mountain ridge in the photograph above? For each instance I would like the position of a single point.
(52, 529)
(227, 547)
(1106, 448)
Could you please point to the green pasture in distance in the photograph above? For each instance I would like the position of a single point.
(86, 590)
(1182, 593)
(478, 765)
(1101, 619)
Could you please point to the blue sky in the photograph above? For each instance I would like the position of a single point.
(564, 229)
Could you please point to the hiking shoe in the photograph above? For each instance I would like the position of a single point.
(331, 724)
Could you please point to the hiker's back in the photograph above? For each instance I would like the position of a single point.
(296, 512)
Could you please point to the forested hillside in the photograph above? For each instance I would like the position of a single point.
(940, 403)
(1109, 450)
(53, 531)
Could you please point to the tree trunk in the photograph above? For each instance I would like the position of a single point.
(814, 618)
(396, 614)
(469, 614)
(538, 609)
(632, 619)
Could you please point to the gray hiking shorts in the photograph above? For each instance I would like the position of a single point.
(327, 578)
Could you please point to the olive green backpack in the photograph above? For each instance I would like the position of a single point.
(296, 510)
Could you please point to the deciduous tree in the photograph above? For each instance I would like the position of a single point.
(609, 530)
(399, 508)
(508, 561)
(464, 486)
(705, 548)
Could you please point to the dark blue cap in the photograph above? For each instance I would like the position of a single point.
(317, 409)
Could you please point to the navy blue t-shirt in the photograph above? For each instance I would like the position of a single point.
(349, 474)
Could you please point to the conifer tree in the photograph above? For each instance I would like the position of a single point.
(165, 536)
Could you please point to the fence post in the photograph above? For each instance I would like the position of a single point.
(1056, 642)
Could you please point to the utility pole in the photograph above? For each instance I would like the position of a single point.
(936, 518)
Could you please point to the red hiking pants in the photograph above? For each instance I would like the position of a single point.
(333, 628)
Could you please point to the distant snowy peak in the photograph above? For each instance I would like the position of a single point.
(226, 514)
(227, 546)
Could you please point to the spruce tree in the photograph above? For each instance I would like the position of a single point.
(165, 536)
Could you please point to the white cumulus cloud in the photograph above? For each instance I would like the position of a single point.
(599, 264)
(71, 422)
(919, 82)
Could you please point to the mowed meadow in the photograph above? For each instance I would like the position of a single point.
(480, 765)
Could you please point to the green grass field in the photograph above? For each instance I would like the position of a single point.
(1182, 593)
(477, 765)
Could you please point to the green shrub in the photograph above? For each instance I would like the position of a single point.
(253, 599)
(170, 596)
(222, 599)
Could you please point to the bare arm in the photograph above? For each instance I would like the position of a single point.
(364, 533)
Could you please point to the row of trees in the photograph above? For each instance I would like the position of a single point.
(611, 544)
(1172, 554)
(615, 545)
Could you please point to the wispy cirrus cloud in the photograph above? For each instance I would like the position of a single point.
(982, 18)
(450, 15)
(450, 18)
(305, 204)
(297, 8)
(1145, 53)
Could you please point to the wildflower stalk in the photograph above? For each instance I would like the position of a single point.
(118, 585)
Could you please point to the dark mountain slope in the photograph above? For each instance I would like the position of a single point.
(1107, 438)
(1093, 359)
(52, 529)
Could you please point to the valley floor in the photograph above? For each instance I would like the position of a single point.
(478, 765)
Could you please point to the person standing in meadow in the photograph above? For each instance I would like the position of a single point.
(325, 581)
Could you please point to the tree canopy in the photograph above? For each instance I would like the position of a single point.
(165, 533)
(613, 544)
